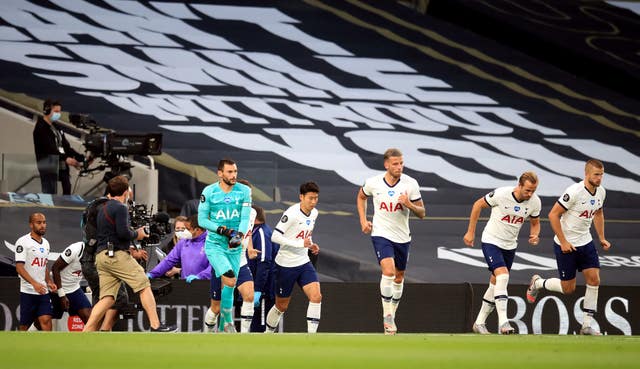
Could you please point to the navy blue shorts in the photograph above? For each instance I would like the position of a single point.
(77, 301)
(584, 257)
(34, 306)
(389, 249)
(287, 277)
(244, 275)
(497, 257)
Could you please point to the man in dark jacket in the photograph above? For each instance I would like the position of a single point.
(54, 155)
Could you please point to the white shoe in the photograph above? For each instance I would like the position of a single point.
(480, 329)
(389, 325)
(506, 328)
(588, 331)
(532, 291)
(210, 328)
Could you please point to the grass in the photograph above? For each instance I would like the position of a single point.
(259, 351)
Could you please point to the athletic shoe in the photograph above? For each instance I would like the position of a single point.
(229, 328)
(163, 328)
(532, 291)
(480, 329)
(588, 331)
(506, 328)
(389, 325)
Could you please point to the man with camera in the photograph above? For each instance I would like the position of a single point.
(114, 261)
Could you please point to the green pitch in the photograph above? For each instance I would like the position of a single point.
(300, 351)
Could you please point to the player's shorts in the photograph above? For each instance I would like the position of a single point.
(389, 249)
(497, 257)
(287, 277)
(34, 306)
(221, 260)
(584, 257)
(122, 267)
(244, 275)
(77, 301)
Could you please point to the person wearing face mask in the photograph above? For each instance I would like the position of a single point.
(54, 155)
(188, 252)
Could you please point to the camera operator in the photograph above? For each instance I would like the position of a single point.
(54, 154)
(114, 261)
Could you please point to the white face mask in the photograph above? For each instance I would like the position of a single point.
(55, 116)
(183, 235)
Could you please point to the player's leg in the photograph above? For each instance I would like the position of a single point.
(385, 255)
(212, 314)
(285, 279)
(79, 305)
(400, 259)
(245, 288)
(310, 284)
(487, 307)
(589, 264)
(499, 261)
(229, 280)
(566, 284)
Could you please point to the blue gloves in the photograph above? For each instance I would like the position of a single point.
(190, 278)
(149, 275)
(256, 298)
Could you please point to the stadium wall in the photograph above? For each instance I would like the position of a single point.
(355, 307)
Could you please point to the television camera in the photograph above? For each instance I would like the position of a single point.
(113, 147)
(155, 225)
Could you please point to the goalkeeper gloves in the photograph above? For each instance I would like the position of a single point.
(235, 237)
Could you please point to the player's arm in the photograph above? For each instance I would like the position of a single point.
(168, 262)
(57, 267)
(534, 230)
(554, 219)
(361, 203)
(22, 272)
(47, 279)
(278, 233)
(203, 213)
(245, 212)
(417, 208)
(476, 209)
(598, 224)
(411, 200)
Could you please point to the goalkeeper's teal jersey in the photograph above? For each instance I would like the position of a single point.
(218, 208)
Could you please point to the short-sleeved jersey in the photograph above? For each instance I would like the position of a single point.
(390, 218)
(247, 237)
(230, 209)
(34, 255)
(290, 232)
(580, 205)
(507, 217)
(72, 273)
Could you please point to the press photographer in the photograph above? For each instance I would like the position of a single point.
(114, 261)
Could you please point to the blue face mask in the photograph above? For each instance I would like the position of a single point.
(55, 116)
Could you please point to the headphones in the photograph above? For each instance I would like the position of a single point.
(46, 107)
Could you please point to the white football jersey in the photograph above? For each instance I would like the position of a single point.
(507, 217)
(247, 237)
(580, 205)
(34, 255)
(390, 218)
(290, 232)
(72, 273)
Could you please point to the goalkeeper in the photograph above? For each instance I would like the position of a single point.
(224, 210)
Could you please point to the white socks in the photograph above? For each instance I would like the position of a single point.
(210, 320)
(488, 305)
(590, 305)
(386, 293)
(313, 317)
(501, 297)
(246, 316)
(273, 319)
(397, 294)
(551, 284)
